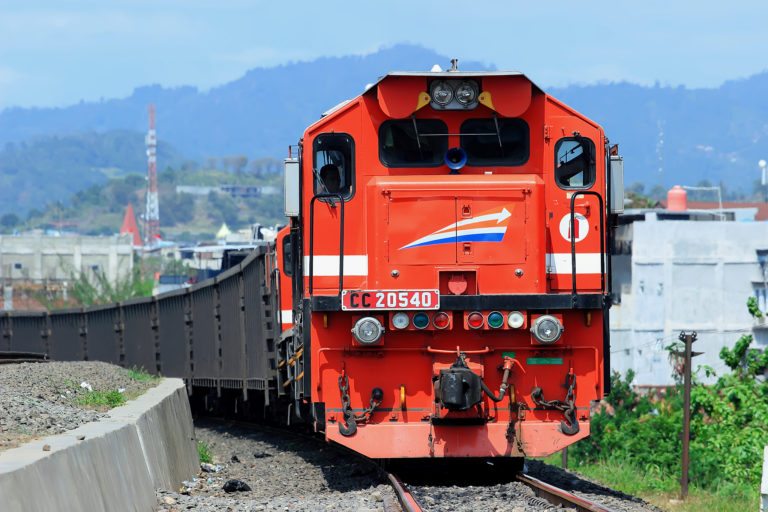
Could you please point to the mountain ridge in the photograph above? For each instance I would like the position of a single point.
(668, 135)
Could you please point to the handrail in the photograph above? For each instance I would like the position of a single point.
(312, 238)
(573, 241)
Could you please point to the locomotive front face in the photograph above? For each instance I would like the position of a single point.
(449, 278)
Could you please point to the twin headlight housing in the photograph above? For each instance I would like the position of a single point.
(453, 94)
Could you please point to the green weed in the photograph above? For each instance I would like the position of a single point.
(204, 452)
(101, 399)
(141, 375)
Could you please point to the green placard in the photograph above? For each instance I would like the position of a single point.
(508, 354)
(545, 360)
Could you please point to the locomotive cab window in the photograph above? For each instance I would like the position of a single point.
(334, 164)
(413, 142)
(288, 256)
(503, 142)
(575, 163)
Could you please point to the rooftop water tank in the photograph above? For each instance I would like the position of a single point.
(677, 199)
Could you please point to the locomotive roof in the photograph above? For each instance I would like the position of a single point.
(452, 74)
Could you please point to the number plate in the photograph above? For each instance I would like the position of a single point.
(355, 300)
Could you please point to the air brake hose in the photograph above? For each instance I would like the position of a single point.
(503, 388)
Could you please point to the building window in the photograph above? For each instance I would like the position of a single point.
(575, 163)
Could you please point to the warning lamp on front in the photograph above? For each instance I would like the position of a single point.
(441, 320)
(475, 320)
(515, 320)
(420, 320)
(547, 329)
(495, 320)
(400, 320)
(367, 330)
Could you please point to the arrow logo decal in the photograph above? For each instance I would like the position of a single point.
(489, 226)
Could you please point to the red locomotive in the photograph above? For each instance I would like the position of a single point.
(444, 280)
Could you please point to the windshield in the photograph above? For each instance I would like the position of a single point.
(413, 142)
(495, 141)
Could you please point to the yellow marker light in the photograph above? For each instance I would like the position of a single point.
(423, 100)
(325, 320)
(402, 397)
(485, 99)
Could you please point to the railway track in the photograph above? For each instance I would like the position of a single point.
(546, 495)
(293, 469)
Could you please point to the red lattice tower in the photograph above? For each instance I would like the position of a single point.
(152, 211)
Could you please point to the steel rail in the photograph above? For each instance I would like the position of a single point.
(407, 501)
(11, 357)
(559, 496)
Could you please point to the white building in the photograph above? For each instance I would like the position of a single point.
(674, 275)
(37, 258)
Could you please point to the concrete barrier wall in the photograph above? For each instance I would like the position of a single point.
(144, 445)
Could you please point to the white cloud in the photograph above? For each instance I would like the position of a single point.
(9, 76)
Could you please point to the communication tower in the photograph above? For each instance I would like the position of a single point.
(152, 212)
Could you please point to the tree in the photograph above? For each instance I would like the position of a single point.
(658, 192)
(636, 188)
(34, 213)
(223, 207)
(237, 163)
(10, 220)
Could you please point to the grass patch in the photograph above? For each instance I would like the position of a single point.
(663, 490)
(141, 375)
(101, 399)
(204, 452)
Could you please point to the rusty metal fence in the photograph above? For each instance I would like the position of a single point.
(219, 333)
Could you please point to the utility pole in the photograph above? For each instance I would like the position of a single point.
(688, 354)
(152, 212)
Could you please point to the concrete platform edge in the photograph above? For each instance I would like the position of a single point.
(144, 445)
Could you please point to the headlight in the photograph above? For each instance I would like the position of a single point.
(441, 92)
(400, 320)
(367, 330)
(547, 329)
(466, 93)
(515, 320)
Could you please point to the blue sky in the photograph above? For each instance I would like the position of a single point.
(55, 53)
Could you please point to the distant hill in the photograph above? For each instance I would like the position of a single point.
(52, 168)
(691, 134)
(258, 115)
(713, 134)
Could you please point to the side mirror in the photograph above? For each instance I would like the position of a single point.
(617, 184)
(291, 181)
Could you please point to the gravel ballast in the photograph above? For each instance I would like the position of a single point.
(43, 399)
(284, 472)
(514, 496)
